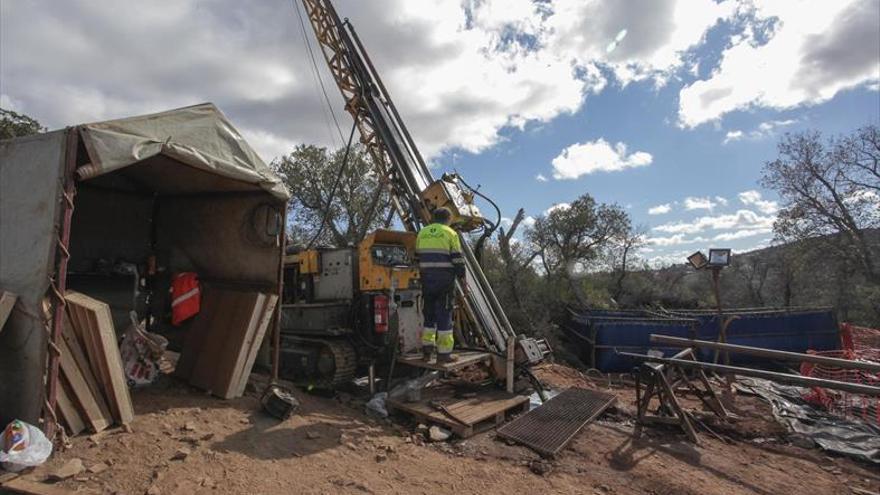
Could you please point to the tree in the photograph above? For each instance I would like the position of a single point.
(620, 256)
(569, 239)
(752, 271)
(830, 191)
(349, 202)
(14, 124)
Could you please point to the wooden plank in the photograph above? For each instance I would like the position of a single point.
(67, 411)
(106, 359)
(68, 334)
(463, 360)
(236, 348)
(241, 329)
(197, 333)
(7, 302)
(80, 391)
(219, 349)
(27, 487)
(253, 346)
(80, 320)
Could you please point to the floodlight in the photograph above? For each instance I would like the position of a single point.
(698, 260)
(719, 257)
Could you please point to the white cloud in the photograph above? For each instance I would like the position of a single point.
(459, 71)
(528, 222)
(733, 136)
(813, 50)
(721, 200)
(634, 40)
(557, 206)
(596, 156)
(742, 219)
(541, 178)
(754, 198)
(692, 203)
(673, 240)
(741, 234)
(764, 129)
(660, 209)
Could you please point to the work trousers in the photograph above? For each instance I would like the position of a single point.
(437, 294)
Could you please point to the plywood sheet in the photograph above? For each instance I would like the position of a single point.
(94, 322)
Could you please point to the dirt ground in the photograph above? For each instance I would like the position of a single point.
(185, 442)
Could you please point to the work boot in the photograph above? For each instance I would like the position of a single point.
(446, 358)
(427, 352)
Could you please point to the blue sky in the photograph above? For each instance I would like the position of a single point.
(670, 105)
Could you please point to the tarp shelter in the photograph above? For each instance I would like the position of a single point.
(180, 187)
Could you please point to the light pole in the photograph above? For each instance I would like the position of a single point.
(718, 259)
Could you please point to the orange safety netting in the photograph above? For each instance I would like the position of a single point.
(858, 343)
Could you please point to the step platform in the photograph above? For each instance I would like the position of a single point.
(465, 359)
(464, 416)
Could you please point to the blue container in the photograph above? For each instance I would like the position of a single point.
(798, 330)
(598, 334)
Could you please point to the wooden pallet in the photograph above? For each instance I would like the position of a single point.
(464, 359)
(464, 416)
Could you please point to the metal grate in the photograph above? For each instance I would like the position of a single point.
(548, 428)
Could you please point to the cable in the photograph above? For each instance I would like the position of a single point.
(478, 247)
(315, 69)
(339, 174)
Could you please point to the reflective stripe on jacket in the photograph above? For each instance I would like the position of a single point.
(185, 297)
(439, 248)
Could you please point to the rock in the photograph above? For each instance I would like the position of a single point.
(422, 429)
(207, 482)
(351, 446)
(313, 435)
(154, 490)
(189, 426)
(437, 434)
(99, 468)
(96, 438)
(70, 469)
(381, 457)
(206, 437)
(181, 454)
(127, 428)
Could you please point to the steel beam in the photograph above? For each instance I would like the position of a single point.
(768, 353)
(799, 380)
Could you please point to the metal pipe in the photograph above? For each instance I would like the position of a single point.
(769, 353)
(803, 381)
(276, 323)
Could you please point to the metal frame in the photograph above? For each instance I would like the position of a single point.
(58, 282)
(661, 381)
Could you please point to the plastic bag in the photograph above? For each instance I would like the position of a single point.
(24, 446)
(141, 353)
(376, 405)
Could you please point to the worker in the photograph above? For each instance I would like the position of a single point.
(438, 248)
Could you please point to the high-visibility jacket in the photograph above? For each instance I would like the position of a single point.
(438, 247)
(185, 297)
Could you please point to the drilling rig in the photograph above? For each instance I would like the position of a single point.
(332, 335)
